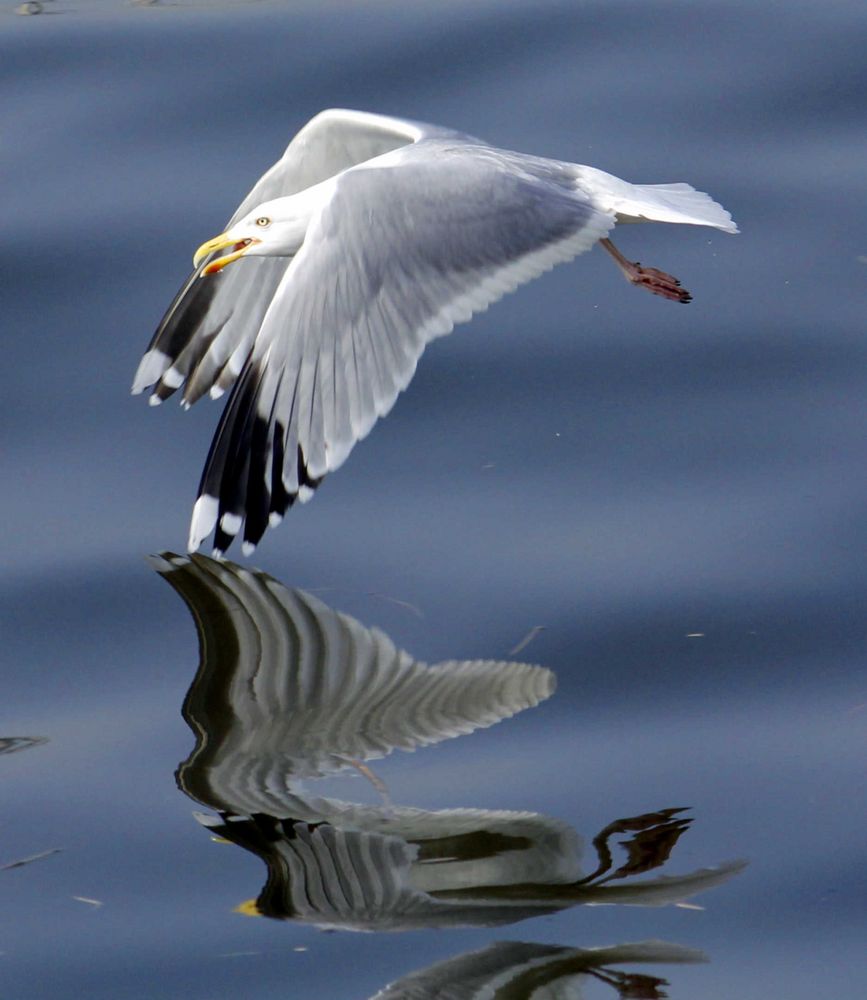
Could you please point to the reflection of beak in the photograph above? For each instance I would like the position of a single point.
(239, 248)
(248, 908)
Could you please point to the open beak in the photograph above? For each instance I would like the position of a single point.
(239, 248)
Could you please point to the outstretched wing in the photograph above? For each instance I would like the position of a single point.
(402, 251)
(208, 331)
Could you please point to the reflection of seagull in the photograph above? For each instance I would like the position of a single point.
(524, 971)
(371, 237)
(450, 868)
(289, 689)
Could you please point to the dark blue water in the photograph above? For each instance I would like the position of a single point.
(671, 502)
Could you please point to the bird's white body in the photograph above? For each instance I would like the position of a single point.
(369, 238)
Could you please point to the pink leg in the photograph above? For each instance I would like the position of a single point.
(650, 278)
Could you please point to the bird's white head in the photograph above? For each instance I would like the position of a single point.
(273, 229)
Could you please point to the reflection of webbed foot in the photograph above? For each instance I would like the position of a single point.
(631, 985)
(650, 278)
(377, 782)
(655, 834)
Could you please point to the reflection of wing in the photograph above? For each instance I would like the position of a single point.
(462, 848)
(353, 880)
(530, 971)
(288, 687)
(210, 327)
(13, 744)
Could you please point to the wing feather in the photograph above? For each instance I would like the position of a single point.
(393, 259)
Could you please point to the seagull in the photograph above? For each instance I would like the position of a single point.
(369, 238)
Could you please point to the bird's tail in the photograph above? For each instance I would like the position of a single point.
(678, 203)
(682, 203)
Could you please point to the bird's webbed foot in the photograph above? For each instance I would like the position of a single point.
(650, 278)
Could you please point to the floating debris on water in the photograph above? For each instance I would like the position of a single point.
(528, 638)
(28, 860)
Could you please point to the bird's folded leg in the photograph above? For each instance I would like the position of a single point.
(655, 281)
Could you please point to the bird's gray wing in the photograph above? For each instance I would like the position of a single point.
(205, 336)
(395, 257)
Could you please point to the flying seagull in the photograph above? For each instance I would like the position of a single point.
(369, 238)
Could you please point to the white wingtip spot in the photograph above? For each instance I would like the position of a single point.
(248, 548)
(231, 524)
(151, 366)
(203, 521)
(207, 820)
(216, 391)
(304, 493)
(154, 400)
(274, 519)
(173, 378)
(160, 564)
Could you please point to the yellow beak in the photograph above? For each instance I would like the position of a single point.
(219, 243)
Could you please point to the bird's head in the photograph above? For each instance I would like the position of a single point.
(273, 229)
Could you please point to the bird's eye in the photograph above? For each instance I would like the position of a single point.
(263, 220)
